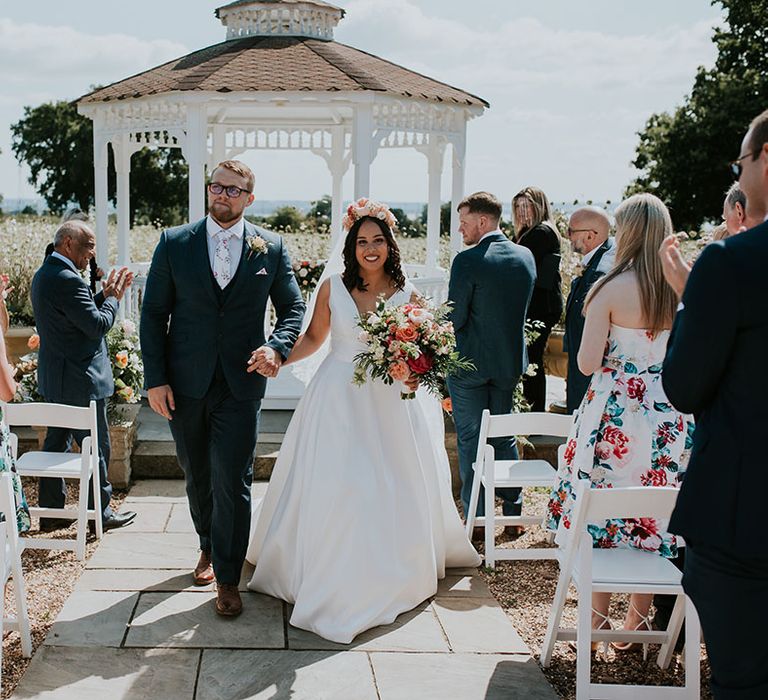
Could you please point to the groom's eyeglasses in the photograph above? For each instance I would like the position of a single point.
(232, 191)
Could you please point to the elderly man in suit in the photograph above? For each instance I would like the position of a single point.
(490, 287)
(588, 230)
(207, 370)
(715, 369)
(73, 362)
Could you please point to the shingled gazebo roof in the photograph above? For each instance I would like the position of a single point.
(277, 64)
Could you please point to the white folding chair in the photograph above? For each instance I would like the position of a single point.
(10, 568)
(494, 474)
(621, 570)
(83, 467)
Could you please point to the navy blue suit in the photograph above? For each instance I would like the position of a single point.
(574, 326)
(715, 369)
(490, 289)
(198, 338)
(73, 363)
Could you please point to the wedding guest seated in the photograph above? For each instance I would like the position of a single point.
(7, 391)
(535, 229)
(626, 433)
(588, 230)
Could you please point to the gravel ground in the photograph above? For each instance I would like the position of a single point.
(49, 578)
(526, 589)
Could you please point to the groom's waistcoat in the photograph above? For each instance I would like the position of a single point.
(189, 324)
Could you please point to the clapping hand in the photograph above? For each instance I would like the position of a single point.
(674, 266)
(266, 361)
(117, 282)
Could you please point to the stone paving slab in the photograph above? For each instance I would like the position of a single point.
(298, 675)
(93, 619)
(150, 517)
(478, 625)
(190, 620)
(157, 491)
(463, 587)
(416, 630)
(150, 580)
(459, 676)
(180, 519)
(70, 673)
(123, 549)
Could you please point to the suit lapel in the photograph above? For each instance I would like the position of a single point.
(201, 261)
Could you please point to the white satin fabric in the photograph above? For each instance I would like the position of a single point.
(358, 522)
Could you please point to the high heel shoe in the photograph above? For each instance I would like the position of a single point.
(631, 646)
(605, 624)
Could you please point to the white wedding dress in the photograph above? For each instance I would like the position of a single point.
(358, 522)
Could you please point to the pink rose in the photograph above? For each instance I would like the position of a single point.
(406, 334)
(34, 342)
(399, 371)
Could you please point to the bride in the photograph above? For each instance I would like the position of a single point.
(358, 522)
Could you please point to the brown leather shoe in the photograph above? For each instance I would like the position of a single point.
(228, 601)
(478, 534)
(203, 573)
(514, 531)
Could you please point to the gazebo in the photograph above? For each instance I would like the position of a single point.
(280, 82)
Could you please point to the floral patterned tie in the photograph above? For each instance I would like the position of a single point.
(222, 259)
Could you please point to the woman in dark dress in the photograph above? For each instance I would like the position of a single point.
(536, 230)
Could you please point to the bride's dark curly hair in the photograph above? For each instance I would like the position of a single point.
(351, 275)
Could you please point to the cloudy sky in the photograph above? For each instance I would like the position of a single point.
(570, 82)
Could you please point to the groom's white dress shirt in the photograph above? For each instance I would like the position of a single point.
(234, 243)
(490, 233)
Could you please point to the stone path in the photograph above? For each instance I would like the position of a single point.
(135, 628)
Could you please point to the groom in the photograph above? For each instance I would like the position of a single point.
(206, 370)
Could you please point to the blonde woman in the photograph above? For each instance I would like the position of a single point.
(536, 230)
(626, 432)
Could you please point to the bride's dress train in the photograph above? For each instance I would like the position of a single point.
(358, 522)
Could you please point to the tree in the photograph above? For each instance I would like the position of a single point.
(57, 144)
(445, 218)
(683, 156)
(319, 214)
(285, 219)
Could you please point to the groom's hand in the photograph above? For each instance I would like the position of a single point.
(266, 361)
(161, 400)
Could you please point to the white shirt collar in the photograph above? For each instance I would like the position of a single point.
(58, 255)
(490, 233)
(591, 254)
(237, 229)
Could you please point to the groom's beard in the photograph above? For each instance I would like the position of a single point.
(224, 213)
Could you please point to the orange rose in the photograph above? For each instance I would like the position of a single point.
(447, 404)
(406, 334)
(399, 371)
(122, 359)
(34, 342)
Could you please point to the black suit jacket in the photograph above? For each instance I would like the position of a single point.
(574, 326)
(207, 327)
(715, 368)
(490, 288)
(73, 365)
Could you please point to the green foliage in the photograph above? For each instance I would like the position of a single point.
(683, 156)
(285, 219)
(445, 218)
(57, 144)
(319, 215)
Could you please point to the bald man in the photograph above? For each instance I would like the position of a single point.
(588, 230)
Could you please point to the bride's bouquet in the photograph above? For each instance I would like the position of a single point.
(414, 339)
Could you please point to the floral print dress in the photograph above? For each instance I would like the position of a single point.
(23, 521)
(625, 433)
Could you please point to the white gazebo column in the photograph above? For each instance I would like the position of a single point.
(338, 166)
(362, 148)
(459, 150)
(434, 153)
(196, 153)
(123, 151)
(100, 193)
(218, 144)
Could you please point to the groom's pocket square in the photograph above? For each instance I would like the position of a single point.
(263, 271)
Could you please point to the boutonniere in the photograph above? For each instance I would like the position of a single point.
(256, 245)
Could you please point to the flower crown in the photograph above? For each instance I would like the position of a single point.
(366, 207)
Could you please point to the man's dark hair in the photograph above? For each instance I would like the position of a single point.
(481, 203)
(759, 129)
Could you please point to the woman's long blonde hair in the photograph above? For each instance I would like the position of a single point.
(642, 223)
(540, 208)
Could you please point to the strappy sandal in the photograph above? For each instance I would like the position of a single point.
(605, 624)
(631, 646)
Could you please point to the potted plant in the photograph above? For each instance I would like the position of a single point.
(18, 279)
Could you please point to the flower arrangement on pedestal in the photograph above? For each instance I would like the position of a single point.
(308, 274)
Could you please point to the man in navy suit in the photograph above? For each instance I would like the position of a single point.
(588, 230)
(73, 362)
(206, 370)
(490, 288)
(715, 369)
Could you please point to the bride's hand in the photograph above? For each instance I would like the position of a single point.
(412, 382)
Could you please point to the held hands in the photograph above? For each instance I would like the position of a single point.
(117, 282)
(161, 400)
(266, 361)
(674, 266)
(412, 382)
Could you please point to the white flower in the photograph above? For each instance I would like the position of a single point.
(303, 272)
(373, 319)
(419, 316)
(256, 245)
(128, 326)
(364, 337)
